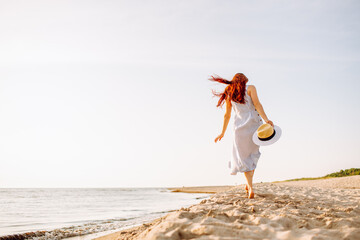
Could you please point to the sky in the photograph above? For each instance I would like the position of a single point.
(116, 93)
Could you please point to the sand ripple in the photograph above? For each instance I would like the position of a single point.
(277, 212)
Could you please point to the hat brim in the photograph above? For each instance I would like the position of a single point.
(257, 141)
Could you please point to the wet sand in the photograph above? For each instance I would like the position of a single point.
(202, 189)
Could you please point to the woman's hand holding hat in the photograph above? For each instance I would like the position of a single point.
(270, 122)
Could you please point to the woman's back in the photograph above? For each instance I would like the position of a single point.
(245, 112)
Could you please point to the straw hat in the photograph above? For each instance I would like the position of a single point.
(266, 135)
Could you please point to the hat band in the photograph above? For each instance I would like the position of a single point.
(268, 138)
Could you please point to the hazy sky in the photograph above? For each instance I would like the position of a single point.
(115, 93)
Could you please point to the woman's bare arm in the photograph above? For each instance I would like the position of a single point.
(257, 104)
(227, 117)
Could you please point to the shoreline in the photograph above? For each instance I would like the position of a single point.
(281, 210)
(202, 189)
(132, 232)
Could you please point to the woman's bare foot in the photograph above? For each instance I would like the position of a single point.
(247, 189)
(251, 194)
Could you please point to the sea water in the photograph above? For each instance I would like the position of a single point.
(63, 213)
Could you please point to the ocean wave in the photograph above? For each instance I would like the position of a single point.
(81, 230)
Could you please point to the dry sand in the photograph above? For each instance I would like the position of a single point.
(342, 182)
(315, 209)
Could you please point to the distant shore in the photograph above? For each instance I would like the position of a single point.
(282, 210)
(202, 189)
(331, 182)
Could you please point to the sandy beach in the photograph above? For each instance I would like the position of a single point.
(314, 209)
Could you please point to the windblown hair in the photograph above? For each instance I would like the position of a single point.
(235, 89)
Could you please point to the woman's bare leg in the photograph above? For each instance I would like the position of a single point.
(249, 178)
(247, 186)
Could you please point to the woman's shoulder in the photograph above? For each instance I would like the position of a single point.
(250, 87)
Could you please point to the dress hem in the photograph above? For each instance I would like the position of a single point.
(235, 173)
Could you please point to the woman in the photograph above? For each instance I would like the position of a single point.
(248, 113)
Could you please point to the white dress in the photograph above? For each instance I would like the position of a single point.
(245, 153)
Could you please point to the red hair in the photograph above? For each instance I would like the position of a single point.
(235, 89)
